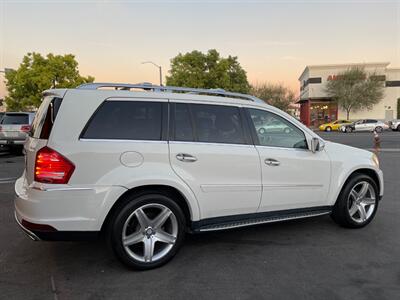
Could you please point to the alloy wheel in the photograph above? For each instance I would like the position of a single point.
(150, 232)
(361, 202)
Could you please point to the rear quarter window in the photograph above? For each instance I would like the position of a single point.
(126, 120)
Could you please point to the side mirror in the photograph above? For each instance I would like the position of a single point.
(316, 145)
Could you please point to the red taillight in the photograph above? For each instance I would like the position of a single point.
(25, 128)
(52, 167)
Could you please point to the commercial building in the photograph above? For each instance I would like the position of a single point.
(317, 108)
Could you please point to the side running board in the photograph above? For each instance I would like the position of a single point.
(258, 218)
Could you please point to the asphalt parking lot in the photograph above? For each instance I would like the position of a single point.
(306, 259)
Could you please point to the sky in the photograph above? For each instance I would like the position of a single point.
(273, 40)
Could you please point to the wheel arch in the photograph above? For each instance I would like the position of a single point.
(365, 171)
(166, 190)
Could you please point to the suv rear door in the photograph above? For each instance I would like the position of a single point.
(211, 150)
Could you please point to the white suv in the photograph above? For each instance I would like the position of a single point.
(145, 167)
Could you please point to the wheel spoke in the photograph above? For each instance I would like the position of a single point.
(161, 218)
(134, 238)
(364, 190)
(165, 237)
(363, 213)
(353, 209)
(148, 249)
(368, 201)
(142, 218)
(354, 194)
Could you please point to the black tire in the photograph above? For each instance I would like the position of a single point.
(287, 130)
(340, 213)
(116, 224)
(328, 129)
(349, 129)
(261, 131)
(398, 127)
(378, 129)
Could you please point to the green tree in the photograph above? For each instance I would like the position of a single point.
(355, 90)
(274, 94)
(208, 70)
(36, 74)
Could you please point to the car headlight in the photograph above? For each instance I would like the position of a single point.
(375, 160)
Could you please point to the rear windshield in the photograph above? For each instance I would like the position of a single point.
(15, 119)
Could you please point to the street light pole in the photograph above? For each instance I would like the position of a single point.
(159, 69)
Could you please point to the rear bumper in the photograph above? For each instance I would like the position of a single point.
(29, 233)
(62, 212)
(55, 235)
(12, 142)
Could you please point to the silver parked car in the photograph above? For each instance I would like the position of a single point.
(14, 128)
(365, 125)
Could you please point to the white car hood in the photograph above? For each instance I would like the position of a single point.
(346, 152)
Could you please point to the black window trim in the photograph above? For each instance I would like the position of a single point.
(164, 120)
(255, 136)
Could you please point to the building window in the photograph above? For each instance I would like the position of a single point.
(314, 80)
(393, 83)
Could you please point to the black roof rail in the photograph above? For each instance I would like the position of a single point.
(173, 89)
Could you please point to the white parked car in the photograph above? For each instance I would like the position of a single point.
(14, 128)
(395, 125)
(145, 164)
(365, 125)
(271, 126)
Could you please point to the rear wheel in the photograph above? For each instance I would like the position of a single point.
(398, 127)
(349, 129)
(378, 129)
(147, 232)
(357, 203)
(287, 130)
(328, 129)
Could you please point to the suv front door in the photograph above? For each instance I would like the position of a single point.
(211, 151)
(292, 176)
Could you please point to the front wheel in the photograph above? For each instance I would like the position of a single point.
(147, 232)
(378, 129)
(328, 129)
(357, 203)
(349, 129)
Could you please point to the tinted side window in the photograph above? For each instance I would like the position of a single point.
(182, 123)
(273, 130)
(126, 120)
(217, 124)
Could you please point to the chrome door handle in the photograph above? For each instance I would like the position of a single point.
(271, 162)
(186, 157)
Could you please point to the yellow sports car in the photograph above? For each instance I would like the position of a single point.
(333, 125)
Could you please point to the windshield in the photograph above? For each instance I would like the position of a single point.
(15, 119)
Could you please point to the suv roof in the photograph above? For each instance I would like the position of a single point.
(148, 90)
